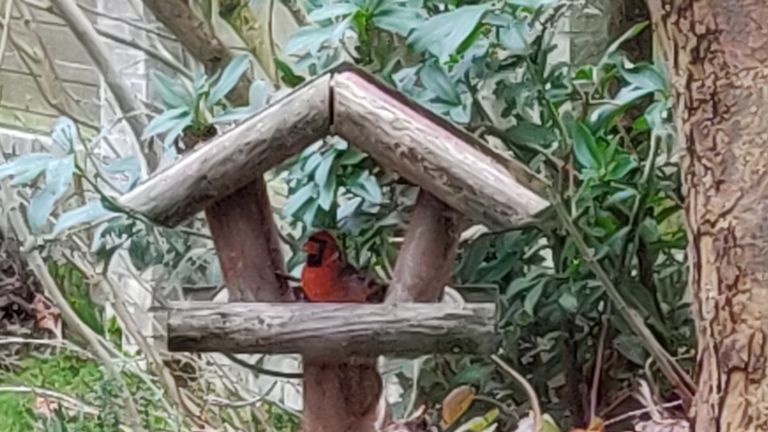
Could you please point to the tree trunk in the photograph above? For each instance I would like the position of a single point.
(717, 55)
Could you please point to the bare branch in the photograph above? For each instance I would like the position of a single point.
(86, 33)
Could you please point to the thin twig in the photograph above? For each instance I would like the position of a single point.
(671, 369)
(6, 27)
(262, 370)
(50, 342)
(598, 371)
(69, 400)
(157, 55)
(535, 405)
(40, 270)
(638, 412)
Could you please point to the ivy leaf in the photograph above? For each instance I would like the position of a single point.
(90, 212)
(443, 34)
(229, 78)
(58, 176)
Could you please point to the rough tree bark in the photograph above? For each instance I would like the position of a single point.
(717, 54)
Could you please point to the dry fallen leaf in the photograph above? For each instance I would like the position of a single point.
(596, 425)
(47, 316)
(45, 407)
(455, 404)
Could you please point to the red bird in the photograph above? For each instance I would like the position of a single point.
(327, 277)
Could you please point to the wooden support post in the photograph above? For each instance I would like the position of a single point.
(426, 258)
(344, 396)
(246, 239)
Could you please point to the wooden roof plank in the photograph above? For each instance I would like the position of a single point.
(433, 153)
(399, 133)
(236, 158)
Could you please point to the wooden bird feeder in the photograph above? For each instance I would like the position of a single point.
(458, 176)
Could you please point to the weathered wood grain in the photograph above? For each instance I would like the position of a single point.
(236, 158)
(425, 260)
(430, 152)
(333, 330)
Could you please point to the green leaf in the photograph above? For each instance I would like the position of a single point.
(645, 77)
(65, 134)
(258, 94)
(436, 80)
(605, 114)
(90, 212)
(332, 11)
(229, 78)
(443, 34)
(531, 133)
(31, 164)
(585, 147)
(569, 302)
(621, 166)
(170, 91)
(323, 171)
(367, 187)
(631, 347)
(352, 157)
(58, 177)
(176, 130)
(287, 75)
(234, 114)
(533, 296)
(299, 198)
(620, 196)
(400, 20)
(307, 39)
(629, 34)
(166, 121)
(514, 38)
(327, 193)
(531, 4)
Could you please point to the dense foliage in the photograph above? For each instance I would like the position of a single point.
(600, 135)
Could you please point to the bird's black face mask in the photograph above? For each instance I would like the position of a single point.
(315, 259)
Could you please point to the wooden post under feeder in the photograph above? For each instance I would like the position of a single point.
(458, 175)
